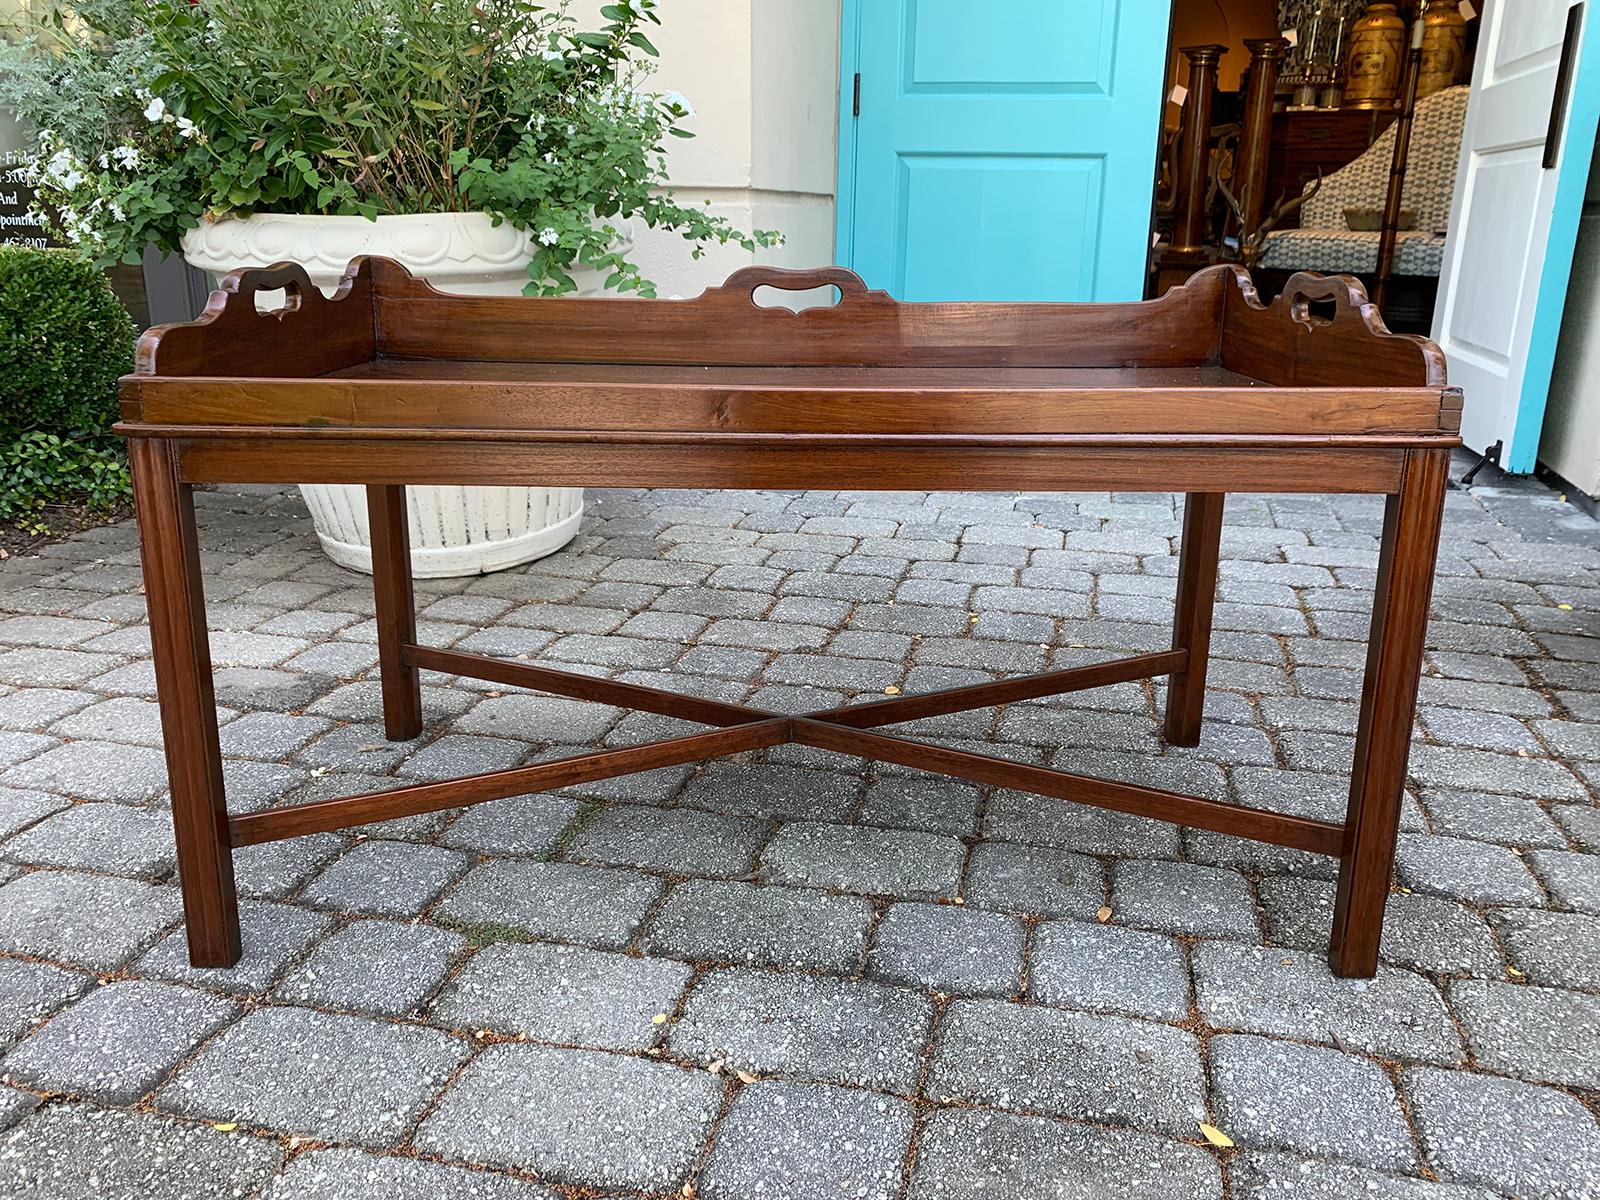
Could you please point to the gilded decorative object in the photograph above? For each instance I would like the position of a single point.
(1377, 58)
(1444, 47)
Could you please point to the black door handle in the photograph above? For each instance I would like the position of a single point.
(1558, 103)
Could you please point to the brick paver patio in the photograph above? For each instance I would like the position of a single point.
(811, 977)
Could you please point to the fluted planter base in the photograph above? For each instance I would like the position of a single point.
(455, 531)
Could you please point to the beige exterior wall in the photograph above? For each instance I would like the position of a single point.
(762, 76)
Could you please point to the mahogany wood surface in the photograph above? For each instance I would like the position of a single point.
(1204, 391)
(1404, 590)
(169, 550)
(1132, 463)
(396, 611)
(1198, 550)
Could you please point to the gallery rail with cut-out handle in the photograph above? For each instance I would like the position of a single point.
(1205, 391)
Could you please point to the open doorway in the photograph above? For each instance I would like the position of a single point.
(1294, 176)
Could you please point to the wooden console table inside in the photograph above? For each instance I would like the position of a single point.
(1204, 391)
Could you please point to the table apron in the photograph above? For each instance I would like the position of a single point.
(881, 466)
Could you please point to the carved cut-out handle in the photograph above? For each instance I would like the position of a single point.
(1344, 293)
(748, 279)
(290, 277)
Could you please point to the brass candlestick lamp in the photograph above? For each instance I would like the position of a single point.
(1318, 31)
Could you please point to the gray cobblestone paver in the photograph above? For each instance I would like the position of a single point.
(576, 1116)
(1425, 933)
(352, 1174)
(31, 991)
(118, 1042)
(807, 1027)
(948, 948)
(1106, 1069)
(682, 841)
(1106, 968)
(89, 770)
(1274, 1176)
(713, 921)
(114, 838)
(1553, 948)
(1183, 898)
(384, 968)
(389, 878)
(20, 808)
(831, 927)
(974, 1154)
(1292, 993)
(565, 994)
(273, 936)
(95, 921)
(1515, 1137)
(354, 1079)
(859, 858)
(1315, 1101)
(1544, 1034)
(782, 1140)
(592, 905)
(70, 1151)
(1038, 880)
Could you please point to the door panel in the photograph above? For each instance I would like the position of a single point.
(950, 45)
(1003, 151)
(1514, 221)
(1004, 196)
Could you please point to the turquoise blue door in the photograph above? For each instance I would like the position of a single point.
(1002, 149)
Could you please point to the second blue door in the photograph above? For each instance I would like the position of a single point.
(1003, 150)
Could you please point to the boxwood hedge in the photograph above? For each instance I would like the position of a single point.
(64, 340)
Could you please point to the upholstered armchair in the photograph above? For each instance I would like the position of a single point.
(1324, 242)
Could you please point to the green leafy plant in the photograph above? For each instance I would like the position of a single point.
(158, 114)
(64, 341)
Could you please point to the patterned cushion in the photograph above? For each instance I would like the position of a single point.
(1341, 251)
(1430, 169)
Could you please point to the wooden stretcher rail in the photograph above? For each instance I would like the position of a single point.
(1204, 391)
(747, 728)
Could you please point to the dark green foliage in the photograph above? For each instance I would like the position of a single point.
(64, 341)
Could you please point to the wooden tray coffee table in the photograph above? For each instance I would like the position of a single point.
(1204, 391)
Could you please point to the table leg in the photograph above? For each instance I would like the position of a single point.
(1191, 626)
(1411, 523)
(397, 610)
(170, 550)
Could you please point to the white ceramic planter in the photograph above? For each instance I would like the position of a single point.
(454, 530)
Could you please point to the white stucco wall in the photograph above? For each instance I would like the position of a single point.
(762, 76)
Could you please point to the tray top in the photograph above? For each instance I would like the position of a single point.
(389, 354)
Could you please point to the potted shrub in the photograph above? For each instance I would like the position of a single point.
(493, 146)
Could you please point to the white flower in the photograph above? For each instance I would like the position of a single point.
(678, 100)
(187, 128)
(127, 157)
(116, 211)
(156, 110)
(548, 236)
(549, 156)
(552, 55)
